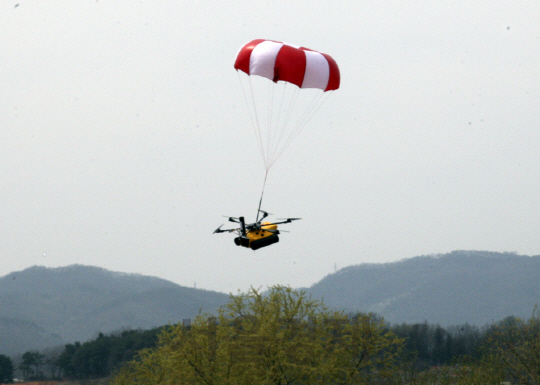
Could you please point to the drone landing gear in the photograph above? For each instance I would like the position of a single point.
(264, 242)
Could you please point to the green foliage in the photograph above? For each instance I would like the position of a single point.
(31, 365)
(433, 345)
(485, 370)
(6, 369)
(100, 357)
(515, 345)
(280, 337)
(284, 337)
(509, 354)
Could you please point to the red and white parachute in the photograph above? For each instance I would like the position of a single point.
(300, 79)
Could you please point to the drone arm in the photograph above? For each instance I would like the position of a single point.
(288, 220)
(218, 230)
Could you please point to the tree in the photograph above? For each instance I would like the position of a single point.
(31, 364)
(66, 359)
(278, 337)
(6, 369)
(480, 371)
(516, 345)
(52, 362)
(99, 357)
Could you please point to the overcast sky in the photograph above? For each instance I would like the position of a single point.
(124, 136)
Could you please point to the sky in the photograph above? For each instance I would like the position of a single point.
(125, 136)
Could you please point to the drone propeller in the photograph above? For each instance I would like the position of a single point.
(265, 214)
(244, 228)
(232, 219)
(218, 230)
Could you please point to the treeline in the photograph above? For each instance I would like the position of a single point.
(285, 337)
(422, 345)
(429, 344)
(434, 345)
(96, 358)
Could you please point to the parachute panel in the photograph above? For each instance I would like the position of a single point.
(263, 59)
(335, 77)
(290, 65)
(244, 55)
(317, 71)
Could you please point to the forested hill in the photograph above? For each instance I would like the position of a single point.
(41, 306)
(474, 287)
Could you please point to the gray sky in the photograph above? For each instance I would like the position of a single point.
(124, 136)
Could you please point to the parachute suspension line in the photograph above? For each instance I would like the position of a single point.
(274, 143)
(285, 130)
(252, 109)
(258, 132)
(269, 127)
(317, 102)
(281, 133)
(262, 193)
(307, 115)
(313, 107)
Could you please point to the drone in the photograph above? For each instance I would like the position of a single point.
(255, 235)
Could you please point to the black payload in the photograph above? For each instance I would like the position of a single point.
(257, 244)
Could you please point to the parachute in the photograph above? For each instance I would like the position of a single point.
(284, 85)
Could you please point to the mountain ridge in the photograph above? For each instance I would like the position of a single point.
(76, 302)
(459, 287)
(41, 307)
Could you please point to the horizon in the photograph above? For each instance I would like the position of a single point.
(336, 270)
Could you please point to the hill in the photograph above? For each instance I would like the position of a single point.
(474, 287)
(40, 306)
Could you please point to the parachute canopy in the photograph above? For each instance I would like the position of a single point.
(290, 86)
(297, 65)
